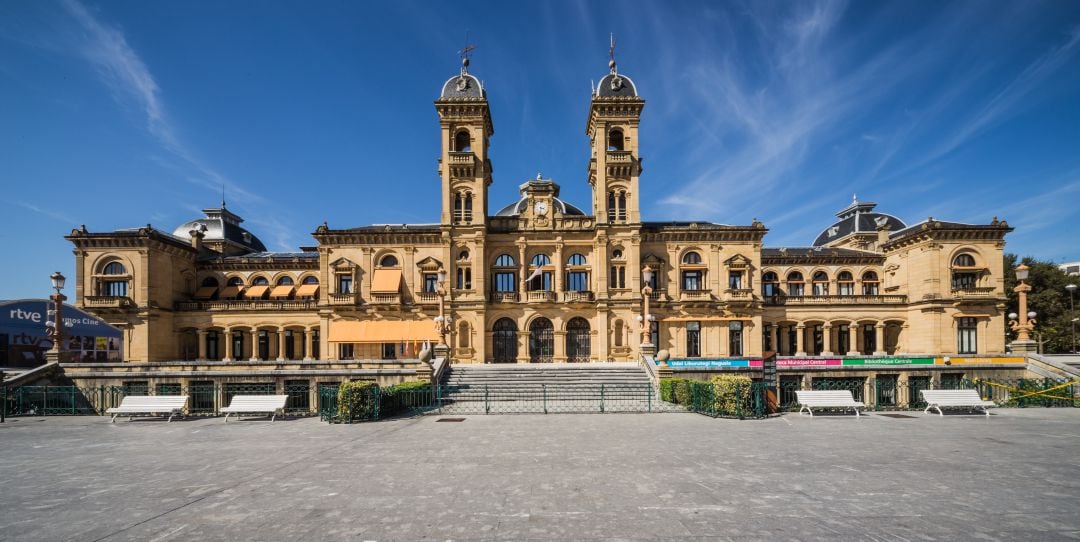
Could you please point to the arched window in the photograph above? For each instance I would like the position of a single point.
(870, 283)
(458, 207)
(462, 141)
(504, 341)
(820, 283)
(468, 207)
(504, 260)
(505, 277)
(795, 283)
(209, 282)
(463, 256)
(616, 254)
(845, 283)
(540, 280)
(621, 215)
(577, 280)
(260, 281)
(615, 140)
(578, 340)
(114, 268)
(691, 258)
(285, 281)
(770, 284)
(540, 260)
(576, 259)
(464, 278)
(388, 261)
(611, 206)
(692, 279)
(964, 260)
(235, 281)
(541, 340)
(310, 280)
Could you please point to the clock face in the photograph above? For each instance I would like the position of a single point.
(541, 207)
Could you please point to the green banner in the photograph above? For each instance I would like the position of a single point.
(888, 361)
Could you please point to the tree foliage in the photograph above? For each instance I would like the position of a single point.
(1048, 298)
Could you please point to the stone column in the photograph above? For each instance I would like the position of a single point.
(853, 339)
(879, 339)
(523, 346)
(309, 343)
(776, 338)
(559, 353)
(228, 345)
(281, 344)
(524, 271)
(826, 333)
(557, 284)
(800, 340)
(254, 345)
(202, 344)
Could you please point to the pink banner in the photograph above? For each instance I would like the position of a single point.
(757, 363)
(804, 362)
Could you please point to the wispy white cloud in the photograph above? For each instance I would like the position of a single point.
(55, 215)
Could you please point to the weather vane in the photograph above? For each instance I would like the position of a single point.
(611, 53)
(465, 53)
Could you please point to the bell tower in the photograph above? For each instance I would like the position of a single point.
(466, 130)
(615, 164)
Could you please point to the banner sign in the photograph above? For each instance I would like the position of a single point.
(851, 362)
(980, 360)
(714, 363)
(808, 362)
(888, 361)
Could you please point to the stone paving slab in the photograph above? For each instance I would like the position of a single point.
(1012, 476)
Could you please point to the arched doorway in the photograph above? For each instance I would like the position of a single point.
(578, 340)
(504, 341)
(541, 341)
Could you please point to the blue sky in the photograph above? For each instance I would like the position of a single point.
(122, 113)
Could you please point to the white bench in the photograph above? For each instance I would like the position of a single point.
(256, 404)
(955, 399)
(827, 399)
(149, 404)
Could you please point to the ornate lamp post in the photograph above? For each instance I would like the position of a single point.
(1072, 310)
(54, 325)
(646, 319)
(442, 322)
(1023, 322)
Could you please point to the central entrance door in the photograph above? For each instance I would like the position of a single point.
(541, 341)
(504, 339)
(577, 340)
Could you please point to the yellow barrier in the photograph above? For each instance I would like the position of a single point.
(1040, 393)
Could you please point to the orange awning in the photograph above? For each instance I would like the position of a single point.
(281, 292)
(386, 281)
(206, 292)
(382, 331)
(307, 290)
(256, 292)
(231, 292)
(705, 319)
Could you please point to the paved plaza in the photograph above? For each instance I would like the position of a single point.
(1014, 476)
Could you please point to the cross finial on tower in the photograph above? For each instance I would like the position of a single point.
(611, 53)
(854, 199)
(465, 54)
(222, 195)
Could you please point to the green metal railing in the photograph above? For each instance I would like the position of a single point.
(902, 392)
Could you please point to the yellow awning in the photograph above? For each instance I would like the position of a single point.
(206, 292)
(382, 331)
(281, 292)
(231, 292)
(307, 290)
(386, 281)
(256, 292)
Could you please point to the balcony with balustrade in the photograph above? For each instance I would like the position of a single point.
(107, 302)
(339, 299)
(426, 298)
(503, 297)
(579, 296)
(224, 305)
(540, 296)
(695, 295)
(791, 300)
(977, 293)
(386, 298)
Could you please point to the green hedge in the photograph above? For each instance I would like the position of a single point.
(358, 401)
(723, 395)
(731, 393)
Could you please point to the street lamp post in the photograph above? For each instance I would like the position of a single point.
(1023, 322)
(646, 319)
(442, 321)
(54, 325)
(1072, 311)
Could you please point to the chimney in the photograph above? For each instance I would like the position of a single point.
(197, 237)
(882, 234)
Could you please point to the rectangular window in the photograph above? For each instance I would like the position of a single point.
(915, 385)
(821, 288)
(504, 282)
(654, 333)
(770, 289)
(870, 288)
(237, 345)
(735, 336)
(315, 344)
(541, 282)
(966, 335)
(389, 350)
(819, 340)
(869, 338)
(212, 345)
(344, 284)
(735, 280)
(691, 281)
(345, 351)
(846, 288)
(793, 340)
(115, 288)
(843, 340)
(264, 345)
(766, 339)
(693, 339)
(885, 389)
(464, 278)
(431, 283)
(795, 288)
(290, 345)
(964, 281)
(577, 281)
(653, 280)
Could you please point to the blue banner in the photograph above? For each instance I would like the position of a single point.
(708, 363)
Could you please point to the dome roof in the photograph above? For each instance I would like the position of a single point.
(221, 225)
(616, 85)
(461, 86)
(859, 217)
(539, 186)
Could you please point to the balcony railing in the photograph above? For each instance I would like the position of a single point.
(462, 158)
(695, 295)
(578, 296)
(248, 305)
(620, 157)
(836, 300)
(740, 293)
(541, 296)
(658, 295)
(341, 299)
(504, 297)
(107, 301)
(386, 299)
(974, 292)
(427, 298)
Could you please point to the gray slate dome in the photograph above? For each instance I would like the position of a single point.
(220, 224)
(462, 86)
(616, 85)
(539, 185)
(859, 217)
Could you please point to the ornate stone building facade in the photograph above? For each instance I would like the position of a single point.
(541, 280)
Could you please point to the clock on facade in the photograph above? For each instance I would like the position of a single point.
(541, 207)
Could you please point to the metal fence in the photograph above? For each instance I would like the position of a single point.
(893, 392)
(204, 399)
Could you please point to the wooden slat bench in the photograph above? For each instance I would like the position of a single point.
(150, 405)
(827, 399)
(955, 399)
(256, 404)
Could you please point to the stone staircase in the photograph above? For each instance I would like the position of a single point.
(547, 388)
